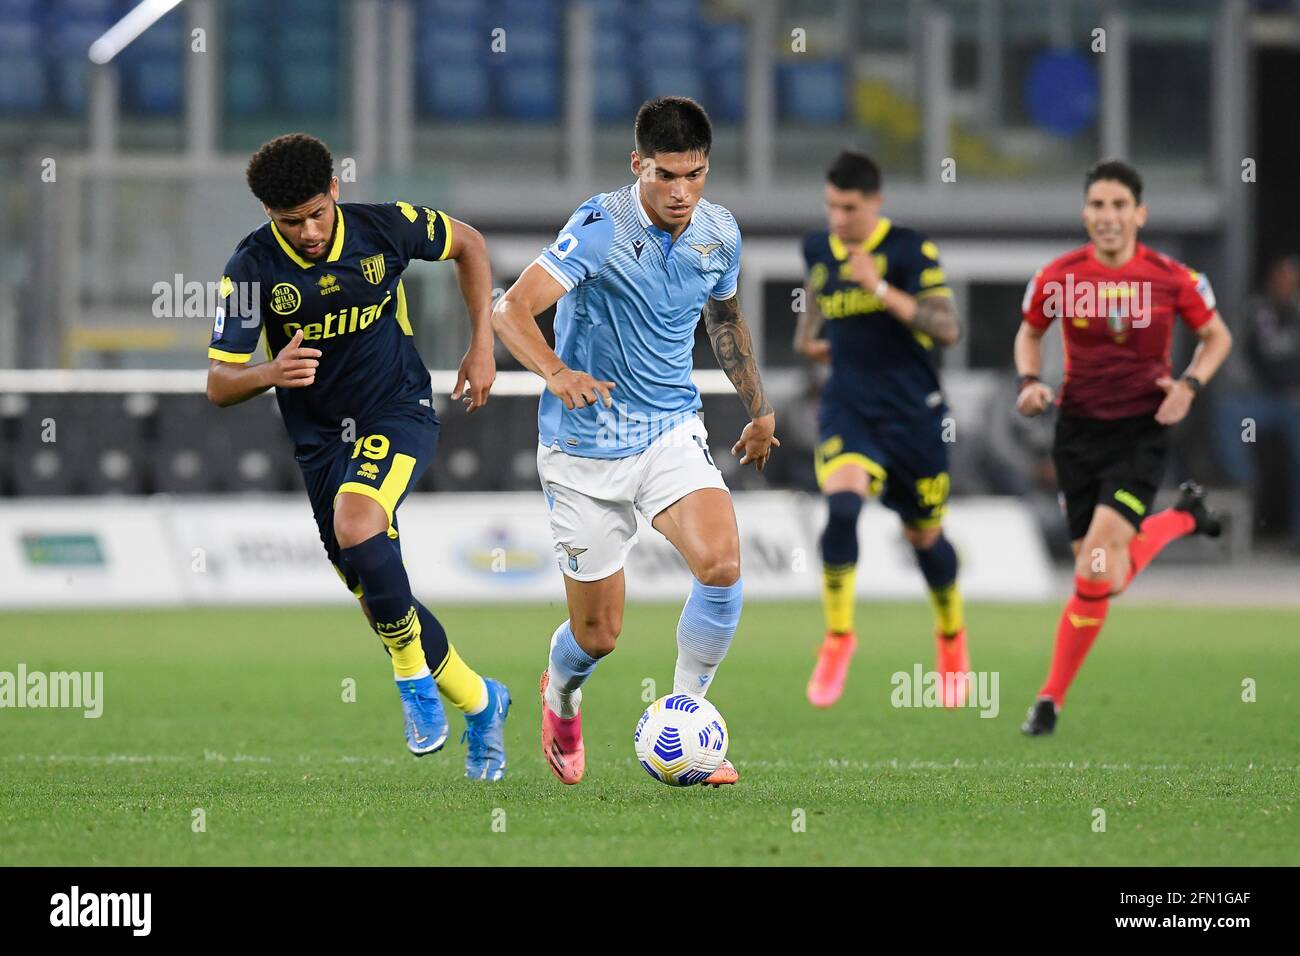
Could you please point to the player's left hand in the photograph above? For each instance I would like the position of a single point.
(864, 271)
(1178, 400)
(757, 441)
(474, 378)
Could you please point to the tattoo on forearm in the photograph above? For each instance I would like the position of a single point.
(734, 347)
(937, 318)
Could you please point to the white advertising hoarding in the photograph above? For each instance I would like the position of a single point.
(459, 548)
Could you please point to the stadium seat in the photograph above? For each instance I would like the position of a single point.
(812, 92)
(456, 91)
(615, 93)
(247, 92)
(23, 84)
(19, 36)
(530, 92)
(308, 90)
(725, 73)
(681, 80)
(155, 86)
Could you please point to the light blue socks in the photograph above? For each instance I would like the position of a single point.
(704, 633)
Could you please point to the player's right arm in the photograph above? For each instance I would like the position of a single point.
(1035, 395)
(232, 378)
(576, 254)
(230, 383)
(808, 340)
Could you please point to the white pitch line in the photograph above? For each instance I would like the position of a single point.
(788, 765)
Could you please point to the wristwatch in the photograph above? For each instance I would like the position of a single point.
(881, 288)
(1193, 383)
(1026, 381)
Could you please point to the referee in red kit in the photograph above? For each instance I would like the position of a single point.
(1117, 300)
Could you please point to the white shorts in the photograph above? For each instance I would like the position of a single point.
(593, 501)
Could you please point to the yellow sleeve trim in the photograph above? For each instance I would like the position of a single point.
(926, 293)
(446, 224)
(235, 357)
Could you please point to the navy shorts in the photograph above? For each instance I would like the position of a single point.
(392, 450)
(907, 461)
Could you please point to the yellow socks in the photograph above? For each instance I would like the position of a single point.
(461, 684)
(838, 596)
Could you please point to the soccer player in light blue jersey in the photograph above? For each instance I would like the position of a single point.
(619, 429)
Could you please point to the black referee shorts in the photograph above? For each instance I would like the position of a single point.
(1118, 462)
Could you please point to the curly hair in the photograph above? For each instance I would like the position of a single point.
(289, 170)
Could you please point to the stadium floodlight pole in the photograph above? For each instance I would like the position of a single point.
(124, 32)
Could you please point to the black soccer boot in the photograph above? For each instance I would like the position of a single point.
(1041, 719)
(1191, 498)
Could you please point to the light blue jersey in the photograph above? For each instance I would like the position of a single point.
(633, 298)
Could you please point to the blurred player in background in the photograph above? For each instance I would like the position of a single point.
(323, 278)
(1117, 301)
(876, 305)
(619, 426)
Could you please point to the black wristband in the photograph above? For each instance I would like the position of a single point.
(1194, 383)
(1026, 380)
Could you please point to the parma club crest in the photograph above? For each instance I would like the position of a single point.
(373, 268)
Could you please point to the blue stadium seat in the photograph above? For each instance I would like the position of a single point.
(308, 90)
(616, 94)
(725, 43)
(155, 86)
(455, 91)
(460, 39)
(528, 42)
(295, 14)
(19, 9)
(167, 37)
(72, 40)
(449, 9)
(812, 92)
(239, 12)
(610, 43)
(670, 11)
(725, 73)
(70, 84)
(246, 89)
(309, 42)
(109, 10)
(660, 48)
(23, 86)
(674, 81)
(725, 97)
(19, 36)
(530, 92)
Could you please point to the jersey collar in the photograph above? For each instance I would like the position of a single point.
(335, 249)
(841, 252)
(665, 238)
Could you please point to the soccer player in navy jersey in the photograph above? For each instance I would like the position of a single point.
(633, 271)
(878, 304)
(1118, 301)
(323, 281)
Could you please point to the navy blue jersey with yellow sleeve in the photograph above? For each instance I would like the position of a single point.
(880, 369)
(351, 305)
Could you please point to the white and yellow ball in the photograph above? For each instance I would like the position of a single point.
(681, 739)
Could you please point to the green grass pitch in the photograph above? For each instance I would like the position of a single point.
(240, 712)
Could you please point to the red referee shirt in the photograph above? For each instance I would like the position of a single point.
(1118, 324)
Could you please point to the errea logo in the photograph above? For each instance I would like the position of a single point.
(103, 909)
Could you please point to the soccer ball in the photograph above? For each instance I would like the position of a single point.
(681, 739)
